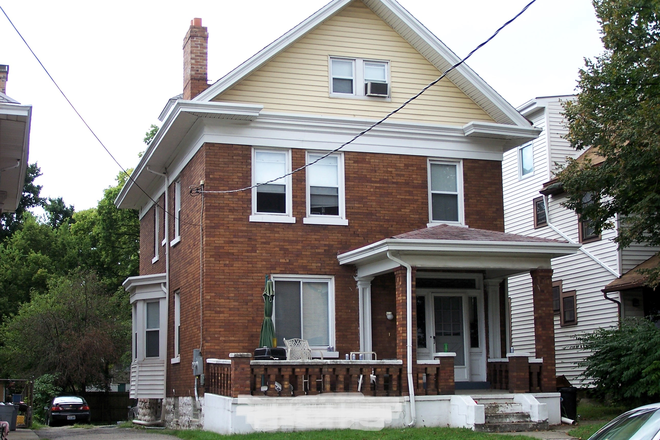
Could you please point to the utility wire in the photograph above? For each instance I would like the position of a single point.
(130, 177)
(200, 190)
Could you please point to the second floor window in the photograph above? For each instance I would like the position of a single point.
(445, 182)
(325, 189)
(271, 193)
(526, 160)
(540, 218)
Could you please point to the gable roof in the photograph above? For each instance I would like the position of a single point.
(411, 30)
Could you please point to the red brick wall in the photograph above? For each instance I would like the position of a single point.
(184, 277)
(147, 267)
(385, 195)
(382, 301)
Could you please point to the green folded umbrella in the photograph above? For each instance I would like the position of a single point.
(267, 337)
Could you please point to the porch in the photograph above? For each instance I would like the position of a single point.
(240, 375)
(243, 395)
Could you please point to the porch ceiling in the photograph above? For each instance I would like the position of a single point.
(455, 248)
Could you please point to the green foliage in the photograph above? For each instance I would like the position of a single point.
(57, 212)
(624, 362)
(617, 113)
(44, 390)
(150, 134)
(76, 332)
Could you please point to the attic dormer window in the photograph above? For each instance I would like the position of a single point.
(356, 77)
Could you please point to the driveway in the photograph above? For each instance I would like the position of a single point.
(99, 433)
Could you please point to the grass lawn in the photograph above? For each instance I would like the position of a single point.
(592, 416)
(346, 434)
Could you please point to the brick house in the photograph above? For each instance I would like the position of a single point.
(392, 246)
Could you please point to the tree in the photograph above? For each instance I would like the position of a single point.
(617, 114)
(10, 222)
(625, 362)
(57, 212)
(77, 331)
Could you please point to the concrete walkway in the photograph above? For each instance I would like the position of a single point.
(22, 434)
(554, 433)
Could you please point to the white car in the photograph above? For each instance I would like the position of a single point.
(641, 423)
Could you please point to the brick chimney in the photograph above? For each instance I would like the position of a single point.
(4, 73)
(195, 47)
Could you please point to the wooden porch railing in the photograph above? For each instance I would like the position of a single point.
(240, 375)
(516, 373)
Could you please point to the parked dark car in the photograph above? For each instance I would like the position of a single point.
(641, 423)
(67, 409)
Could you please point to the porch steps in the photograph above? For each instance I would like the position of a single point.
(503, 414)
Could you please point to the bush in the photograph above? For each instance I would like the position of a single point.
(624, 362)
(44, 390)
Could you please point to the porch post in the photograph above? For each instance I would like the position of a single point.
(401, 321)
(366, 330)
(544, 326)
(494, 324)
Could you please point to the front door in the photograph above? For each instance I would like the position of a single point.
(453, 322)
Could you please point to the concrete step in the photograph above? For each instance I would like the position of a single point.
(502, 407)
(512, 427)
(508, 417)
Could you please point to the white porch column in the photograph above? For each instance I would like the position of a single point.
(364, 292)
(494, 324)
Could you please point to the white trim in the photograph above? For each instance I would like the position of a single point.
(187, 129)
(325, 220)
(286, 216)
(262, 218)
(459, 189)
(358, 78)
(330, 280)
(176, 241)
(317, 219)
(177, 324)
(365, 311)
(177, 212)
(176, 360)
(519, 156)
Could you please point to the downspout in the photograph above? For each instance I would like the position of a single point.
(565, 237)
(165, 287)
(411, 388)
(617, 302)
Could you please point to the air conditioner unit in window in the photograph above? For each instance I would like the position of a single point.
(376, 89)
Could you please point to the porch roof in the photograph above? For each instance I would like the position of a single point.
(635, 277)
(446, 247)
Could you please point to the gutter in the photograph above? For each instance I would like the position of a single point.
(565, 237)
(409, 348)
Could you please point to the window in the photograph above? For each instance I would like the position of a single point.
(586, 229)
(540, 219)
(342, 73)
(177, 213)
(526, 160)
(446, 198)
(358, 77)
(177, 324)
(568, 315)
(135, 331)
(156, 234)
(325, 189)
(304, 308)
(152, 333)
(556, 295)
(271, 196)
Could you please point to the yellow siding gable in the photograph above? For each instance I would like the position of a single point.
(296, 80)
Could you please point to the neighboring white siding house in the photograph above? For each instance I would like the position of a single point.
(579, 278)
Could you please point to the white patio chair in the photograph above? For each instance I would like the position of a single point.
(299, 350)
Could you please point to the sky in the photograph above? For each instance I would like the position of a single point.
(119, 62)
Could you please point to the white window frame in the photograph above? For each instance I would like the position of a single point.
(158, 329)
(157, 243)
(271, 217)
(331, 302)
(459, 191)
(317, 219)
(177, 213)
(359, 78)
(177, 328)
(521, 173)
